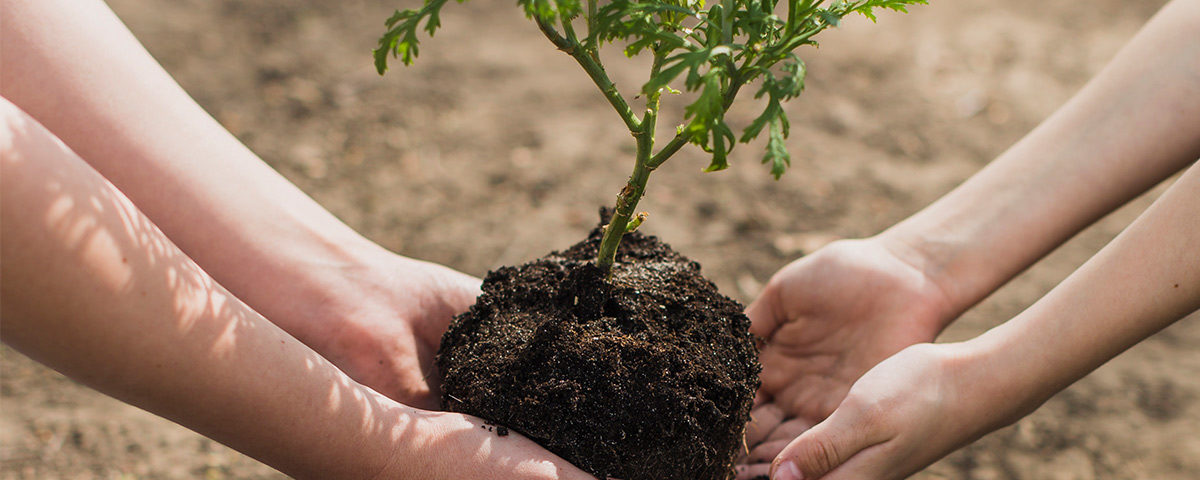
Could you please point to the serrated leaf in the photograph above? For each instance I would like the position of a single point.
(722, 144)
(777, 155)
(830, 17)
(773, 111)
(401, 38)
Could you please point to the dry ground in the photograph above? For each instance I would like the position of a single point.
(436, 161)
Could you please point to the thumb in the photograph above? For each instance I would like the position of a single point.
(821, 449)
(764, 312)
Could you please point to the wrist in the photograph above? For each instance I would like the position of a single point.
(928, 273)
(323, 298)
(1009, 372)
(955, 259)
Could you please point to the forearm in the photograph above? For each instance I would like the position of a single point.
(1147, 278)
(246, 225)
(93, 289)
(1132, 126)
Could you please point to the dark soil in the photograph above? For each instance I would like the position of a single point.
(650, 375)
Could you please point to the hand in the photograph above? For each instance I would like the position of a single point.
(906, 413)
(453, 445)
(382, 323)
(828, 318)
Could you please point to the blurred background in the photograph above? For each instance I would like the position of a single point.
(435, 161)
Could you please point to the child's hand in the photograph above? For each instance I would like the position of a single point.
(904, 414)
(827, 319)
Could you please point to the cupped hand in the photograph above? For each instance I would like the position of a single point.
(385, 321)
(447, 445)
(901, 416)
(828, 318)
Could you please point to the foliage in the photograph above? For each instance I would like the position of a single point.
(712, 48)
(716, 49)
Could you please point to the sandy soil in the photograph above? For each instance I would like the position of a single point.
(436, 160)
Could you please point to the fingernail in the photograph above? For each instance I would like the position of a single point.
(788, 471)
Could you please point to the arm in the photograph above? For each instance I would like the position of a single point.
(831, 316)
(1132, 126)
(377, 315)
(893, 422)
(93, 289)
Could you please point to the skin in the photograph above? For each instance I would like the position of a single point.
(833, 315)
(377, 315)
(893, 421)
(94, 289)
(148, 271)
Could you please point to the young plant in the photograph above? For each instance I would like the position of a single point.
(713, 50)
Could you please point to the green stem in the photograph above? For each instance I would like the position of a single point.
(595, 71)
(591, 26)
(628, 199)
(735, 84)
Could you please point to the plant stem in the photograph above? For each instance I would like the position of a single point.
(628, 199)
(735, 84)
(595, 71)
(626, 202)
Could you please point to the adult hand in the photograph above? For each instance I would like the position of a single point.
(382, 321)
(827, 318)
(457, 446)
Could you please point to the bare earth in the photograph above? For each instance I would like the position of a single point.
(495, 149)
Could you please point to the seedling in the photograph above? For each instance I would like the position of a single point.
(712, 50)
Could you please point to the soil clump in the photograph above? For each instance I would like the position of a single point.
(650, 375)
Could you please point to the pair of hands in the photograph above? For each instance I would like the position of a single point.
(828, 318)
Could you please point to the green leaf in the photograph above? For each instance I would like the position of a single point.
(777, 89)
(866, 7)
(830, 17)
(400, 40)
(722, 143)
(551, 10)
(777, 155)
(707, 110)
(773, 111)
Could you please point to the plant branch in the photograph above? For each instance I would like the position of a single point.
(595, 71)
(681, 139)
(628, 199)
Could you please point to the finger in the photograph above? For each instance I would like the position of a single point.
(824, 447)
(763, 420)
(752, 472)
(763, 312)
(761, 397)
(780, 437)
(767, 451)
(789, 430)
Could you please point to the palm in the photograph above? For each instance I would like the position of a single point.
(827, 319)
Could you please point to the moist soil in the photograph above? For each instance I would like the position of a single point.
(649, 375)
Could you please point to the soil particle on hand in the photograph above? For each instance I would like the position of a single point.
(648, 375)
